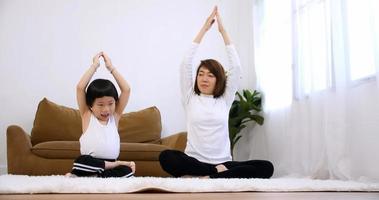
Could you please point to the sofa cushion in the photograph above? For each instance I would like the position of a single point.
(71, 150)
(141, 126)
(57, 149)
(59, 123)
(55, 123)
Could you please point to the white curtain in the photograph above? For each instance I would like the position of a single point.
(317, 67)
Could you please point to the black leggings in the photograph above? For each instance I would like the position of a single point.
(180, 164)
(86, 165)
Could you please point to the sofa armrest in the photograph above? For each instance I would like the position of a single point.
(18, 145)
(18, 139)
(177, 141)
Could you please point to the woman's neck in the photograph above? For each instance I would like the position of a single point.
(206, 95)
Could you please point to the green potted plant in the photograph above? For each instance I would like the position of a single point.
(244, 110)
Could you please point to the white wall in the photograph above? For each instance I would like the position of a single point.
(46, 45)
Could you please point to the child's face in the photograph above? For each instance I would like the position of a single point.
(103, 107)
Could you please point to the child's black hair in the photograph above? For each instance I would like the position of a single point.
(100, 88)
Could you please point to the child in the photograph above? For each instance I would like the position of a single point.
(101, 108)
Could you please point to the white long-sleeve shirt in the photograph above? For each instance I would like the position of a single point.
(207, 117)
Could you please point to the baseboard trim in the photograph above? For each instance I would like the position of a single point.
(3, 169)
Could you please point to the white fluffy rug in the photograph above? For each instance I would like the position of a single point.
(61, 184)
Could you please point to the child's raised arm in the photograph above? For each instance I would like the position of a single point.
(122, 83)
(81, 87)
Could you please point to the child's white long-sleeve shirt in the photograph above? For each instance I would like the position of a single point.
(207, 117)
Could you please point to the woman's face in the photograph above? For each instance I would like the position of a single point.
(103, 108)
(206, 81)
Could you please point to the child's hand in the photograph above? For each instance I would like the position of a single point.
(108, 62)
(96, 61)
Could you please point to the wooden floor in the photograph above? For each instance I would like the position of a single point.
(207, 196)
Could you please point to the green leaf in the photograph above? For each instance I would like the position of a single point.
(246, 109)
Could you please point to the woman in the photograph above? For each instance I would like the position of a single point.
(207, 102)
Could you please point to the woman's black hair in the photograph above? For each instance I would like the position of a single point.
(100, 88)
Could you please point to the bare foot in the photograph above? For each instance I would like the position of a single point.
(130, 164)
(221, 168)
(204, 177)
(133, 166)
(69, 175)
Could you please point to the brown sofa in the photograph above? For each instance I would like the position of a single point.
(54, 141)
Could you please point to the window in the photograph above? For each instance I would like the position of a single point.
(312, 46)
(306, 46)
(361, 33)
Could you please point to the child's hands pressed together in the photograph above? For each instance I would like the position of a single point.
(96, 60)
(108, 62)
